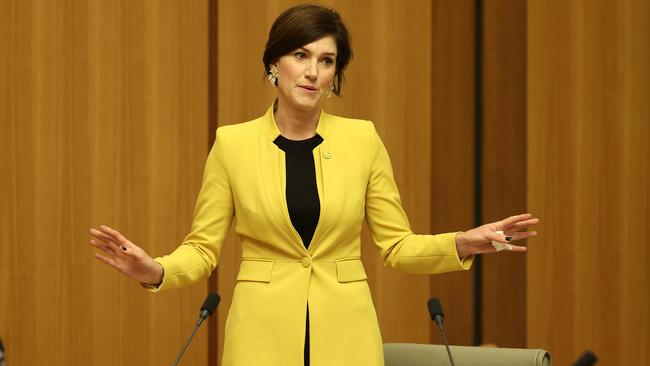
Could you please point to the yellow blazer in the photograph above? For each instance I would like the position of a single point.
(244, 178)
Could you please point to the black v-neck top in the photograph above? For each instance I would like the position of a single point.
(301, 192)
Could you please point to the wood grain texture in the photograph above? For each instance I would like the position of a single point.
(589, 162)
(104, 108)
(452, 154)
(503, 160)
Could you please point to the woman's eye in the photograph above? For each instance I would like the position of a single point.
(328, 61)
(300, 55)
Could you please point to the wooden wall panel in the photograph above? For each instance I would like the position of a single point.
(503, 161)
(452, 159)
(104, 114)
(107, 102)
(588, 166)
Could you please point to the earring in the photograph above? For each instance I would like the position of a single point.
(330, 90)
(273, 76)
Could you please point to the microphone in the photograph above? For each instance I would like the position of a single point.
(438, 316)
(2, 353)
(587, 359)
(211, 302)
(209, 305)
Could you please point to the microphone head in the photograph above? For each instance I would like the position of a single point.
(435, 308)
(587, 359)
(211, 302)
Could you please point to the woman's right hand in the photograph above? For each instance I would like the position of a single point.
(125, 256)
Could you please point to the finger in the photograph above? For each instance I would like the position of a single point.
(523, 235)
(108, 249)
(108, 241)
(103, 240)
(513, 219)
(119, 239)
(103, 237)
(522, 225)
(105, 260)
(514, 233)
(517, 249)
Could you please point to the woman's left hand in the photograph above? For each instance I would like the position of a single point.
(479, 240)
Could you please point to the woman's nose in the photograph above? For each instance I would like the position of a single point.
(312, 70)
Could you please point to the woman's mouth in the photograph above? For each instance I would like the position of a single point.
(309, 88)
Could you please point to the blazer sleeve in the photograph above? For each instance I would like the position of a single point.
(398, 246)
(198, 255)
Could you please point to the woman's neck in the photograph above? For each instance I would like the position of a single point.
(296, 124)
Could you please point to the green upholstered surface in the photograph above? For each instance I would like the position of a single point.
(411, 354)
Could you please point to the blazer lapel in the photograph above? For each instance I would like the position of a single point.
(328, 180)
(272, 162)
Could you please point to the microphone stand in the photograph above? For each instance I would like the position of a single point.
(444, 338)
(187, 342)
(437, 315)
(208, 307)
(2, 353)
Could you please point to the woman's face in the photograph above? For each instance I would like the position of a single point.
(306, 74)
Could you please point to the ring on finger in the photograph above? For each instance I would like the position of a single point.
(501, 246)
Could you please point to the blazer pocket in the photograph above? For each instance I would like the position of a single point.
(349, 270)
(256, 270)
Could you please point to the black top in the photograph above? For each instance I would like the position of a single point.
(302, 193)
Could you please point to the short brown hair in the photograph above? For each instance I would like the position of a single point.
(303, 24)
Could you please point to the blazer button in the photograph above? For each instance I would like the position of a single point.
(306, 262)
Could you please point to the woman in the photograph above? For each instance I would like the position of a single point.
(299, 182)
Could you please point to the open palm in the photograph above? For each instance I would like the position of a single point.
(125, 256)
(479, 240)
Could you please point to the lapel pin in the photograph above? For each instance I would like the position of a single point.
(327, 154)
